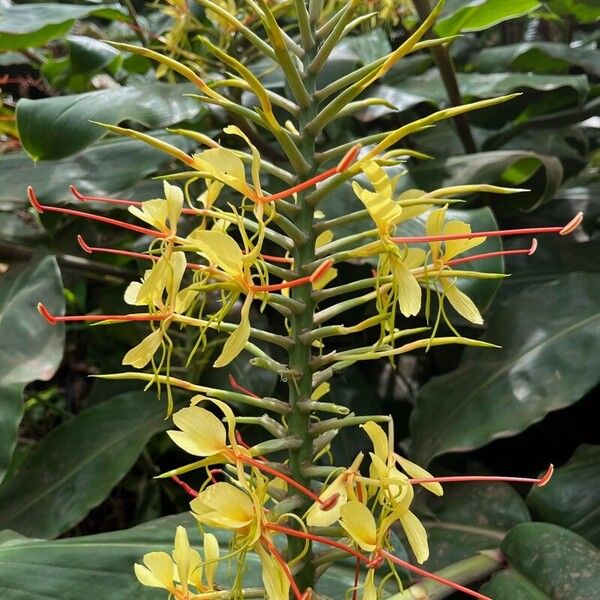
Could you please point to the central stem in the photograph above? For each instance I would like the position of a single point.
(300, 380)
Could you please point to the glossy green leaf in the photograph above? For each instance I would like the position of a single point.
(103, 564)
(32, 25)
(583, 11)
(474, 15)
(538, 57)
(470, 517)
(30, 348)
(546, 562)
(89, 55)
(89, 455)
(549, 336)
(572, 497)
(58, 127)
(503, 167)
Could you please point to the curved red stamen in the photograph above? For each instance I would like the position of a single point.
(492, 479)
(565, 230)
(83, 244)
(275, 287)
(190, 490)
(529, 251)
(39, 207)
(348, 158)
(277, 259)
(54, 319)
(433, 576)
(240, 388)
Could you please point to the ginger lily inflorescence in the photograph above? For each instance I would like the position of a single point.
(217, 256)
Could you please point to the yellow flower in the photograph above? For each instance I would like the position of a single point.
(277, 585)
(225, 506)
(162, 214)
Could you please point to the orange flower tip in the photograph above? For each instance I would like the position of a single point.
(46, 314)
(321, 270)
(34, 200)
(572, 225)
(330, 502)
(84, 245)
(348, 158)
(534, 245)
(547, 476)
(308, 594)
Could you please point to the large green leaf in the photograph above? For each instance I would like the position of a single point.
(572, 497)
(549, 336)
(474, 15)
(57, 127)
(103, 565)
(30, 348)
(546, 562)
(504, 167)
(471, 517)
(31, 25)
(583, 11)
(76, 465)
(538, 57)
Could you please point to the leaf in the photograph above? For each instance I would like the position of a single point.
(31, 349)
(107, 168)
(474, 15)
(103, 564)
(32, 25)
(503, 167)
(546, 561)
(549, 338)
(584, 11)
(538, 57)
(89, 55)
(572, 497)
(469, 518)
(58, 127)
(76, 465)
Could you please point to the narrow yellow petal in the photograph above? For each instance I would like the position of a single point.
(161, 566)
(358, 521)
(434, 226)
(211, 558)
(174, 204)
(202, 433)
(237, 340)
(277, 585)
(417, 472)
(408, 289)
(140, 355)
(379, 439)
(153, 212)
(462, 304)
(455, 247)
(220, 249)
(416, 536)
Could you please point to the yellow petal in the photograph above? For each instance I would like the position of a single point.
(142, 354)
(132, 293)
(417, 472)
(153, 212)
(414, 258)
(455, 247)
(154, 284)
(416, 536)
(232, 129)
(174, 202)
(408, 289)
(184, 299)
(317, 517)
(160, 566)
(224, 166)
(434, 226)
(379, 439)
(320, 391)
(223, 505)
(220, 249)
(359, 523)
(370, 590)
(202, 433)
(462, 304)
(237, 340)
(324, 238)
(277, 585)
(211, 558)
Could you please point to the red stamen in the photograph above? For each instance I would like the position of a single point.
(53, 319)
(236, 386)
(213, 472)
(77, 213)
(346, 161)
(84, 198)
(565, 230)
(330, 502)
(140, 255)
(433, 576)
(286, 569)
(278, 259)
(541, 481)
(529, 251)
(190, 490)
(318, 273)
(261, 466)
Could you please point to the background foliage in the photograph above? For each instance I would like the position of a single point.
(78, 455)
